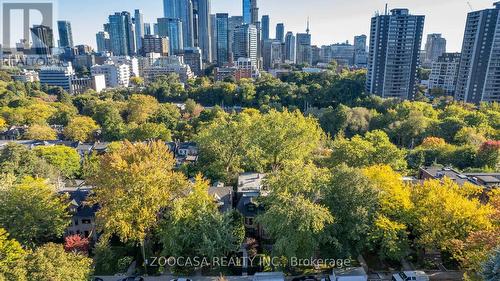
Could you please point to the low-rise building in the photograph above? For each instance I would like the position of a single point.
(116, 75)
(486, 181)
(57, 76)
(166, 65)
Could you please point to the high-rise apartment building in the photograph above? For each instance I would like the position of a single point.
(103, 42)
(122, 34)
(265, 27)
(183, 11)
(139, 28)
(280, 32)
(245, 43)
(172, 28)
(479, 71)
(434, 48)
(444, 73)
(360, 53)
(272, 53)
(65, 34)
(222, 26)
(395, 41)
(290, 47)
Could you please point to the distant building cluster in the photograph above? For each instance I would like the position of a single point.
(188, 39)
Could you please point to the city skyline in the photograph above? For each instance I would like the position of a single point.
(323, 15)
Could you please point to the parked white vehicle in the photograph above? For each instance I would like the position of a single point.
(410, 276)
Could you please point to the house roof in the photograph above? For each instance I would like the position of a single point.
(250, 182)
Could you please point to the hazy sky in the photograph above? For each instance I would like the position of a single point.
(332, 21)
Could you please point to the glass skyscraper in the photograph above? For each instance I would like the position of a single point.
(247, 11)
(121, 34)
(65, 34)
(183, 11)
(265, 27)
(172, 28)
(222, 25)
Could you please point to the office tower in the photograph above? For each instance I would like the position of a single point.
(303, 51)
(155, 44)
(265, 27)
(250, 12)
(171, 28)
(202, 10)
(479, 72)
(65, 34)
(272, 53)
(434, 48)
(147, 29)
(139, 28)
(245, 43)
(103, 42)
(280, 32)
(342, 53)
(233, 23)
(193, 58)
(213, 36)
(247, 11)
(183, 11)
(222, 27)
(444, 73)
(155, 29)
(121, 32)
(395, 41)
(360, 53)
(43, 39)
(290, 47)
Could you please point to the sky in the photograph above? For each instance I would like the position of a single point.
(332, 21)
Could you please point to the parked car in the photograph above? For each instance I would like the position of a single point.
(410, 276)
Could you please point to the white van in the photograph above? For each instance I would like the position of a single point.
(410, 276)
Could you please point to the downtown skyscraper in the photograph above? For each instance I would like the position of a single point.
(280, 32)
(222, 31)
(265, 27)
(182, 10)
(434, 48)
(394, 54)
(122, 34)
(202, 11)
(245, 44)
(139, 28)
(250, 12)
(479, 70)
(65, 34)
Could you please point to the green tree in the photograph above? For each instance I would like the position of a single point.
(40, 132)
(195, 227)
(150, 131)
(140, 108)
(373, 149)
(224, 144)
(444, 212)
(133, 184)
(295, 223)
(12, 259)
(283, 137)
(81, 129)
(32, 211)
(65, 159)
(294, 218)
(51, 262)
(352, 200)
(18, 160)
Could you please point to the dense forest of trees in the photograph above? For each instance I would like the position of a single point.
(334, 158)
